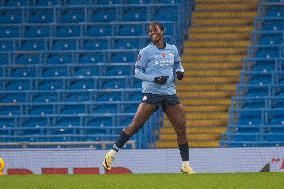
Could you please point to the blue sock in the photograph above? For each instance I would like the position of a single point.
(122, 139)
(184, 152)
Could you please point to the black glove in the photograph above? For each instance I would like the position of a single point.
(161, 80)
(179, 75)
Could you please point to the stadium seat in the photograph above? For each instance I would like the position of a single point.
(9, 31)
(78, 97)
(129, 30)
(58, 58)
(63, 44)
(94, 44)
(102, 14)
(86, 71)
(32, 45)
(11, 16)
(22, 72)
(134, 14)
(34, 31)
(40, 16)
(7, 45)
(45, 97)
(126, 43)
(98, 30)
(14, 3)
(27, 58)
(81, 84)
(50, 84)
(90, 58)
(73, 109)
(10, 110)
(71, 15)
(41, 109)
(13, 98)
(67, 31)
(54, 72)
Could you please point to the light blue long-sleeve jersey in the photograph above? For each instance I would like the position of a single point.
(153, 62)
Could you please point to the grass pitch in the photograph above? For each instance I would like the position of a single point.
(146, 181)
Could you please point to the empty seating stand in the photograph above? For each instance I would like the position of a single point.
(257, 112)
(67, 68)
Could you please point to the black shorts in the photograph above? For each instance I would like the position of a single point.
(160, 100)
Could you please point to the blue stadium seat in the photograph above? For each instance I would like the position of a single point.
(73, 2)
(45, 97)
(102, 15)
(86, 71)
(71, 15)
(94, 44)
(78, 97)
(18, 85)
(277, 117)
(126, 43)
(130, 108)
(4, 59)
(90, 58)
(73, 109)
(50, 85)
(261, 78)
(132, 96)
(22, 72)
(117, 70)
(41, 109)
(100, 121)
(35, 122)
(14, 3)
(253, 103)
(138, 1)
(32, 45)
(6, 45)
(11, 16)
(40, 16)
(68, 121)
(37, 31)
(270, 39)
(27, 58)
(10, 110)
(135, 14)
(113, 84)
(165, 14)
(59, 58)
(250, 117)
(264, 66)
(98, 30)
(119, 57)
(267, 52)
(108, 96)
(45, 2)
(13, 98)
(9, 31)
(7, 122)
(108, 2)
(257, 90)
(130, 30)
(104, 108)
(54, 72)
(275, 11)
(275, 25)
(79, 84)
(67, 31)
(63, 44)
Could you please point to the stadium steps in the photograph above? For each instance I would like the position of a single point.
(212, 58)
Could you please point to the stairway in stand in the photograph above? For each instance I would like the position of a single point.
(212, 58)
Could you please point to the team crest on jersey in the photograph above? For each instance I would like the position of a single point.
(171, 54)
(144, 97)
(163, 54)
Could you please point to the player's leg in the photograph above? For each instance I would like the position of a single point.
(143, 113)
(177, 118)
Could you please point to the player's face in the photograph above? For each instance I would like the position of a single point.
(155, 33)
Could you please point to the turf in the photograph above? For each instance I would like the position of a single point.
(147, 181)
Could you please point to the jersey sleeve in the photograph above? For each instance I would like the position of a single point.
(177, 61)
(140, 65)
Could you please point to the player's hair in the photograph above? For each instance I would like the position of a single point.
(159, 25)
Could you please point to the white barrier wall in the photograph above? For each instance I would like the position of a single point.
(211, 160)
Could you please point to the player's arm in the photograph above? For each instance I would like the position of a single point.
(178, 67)
(140, 66)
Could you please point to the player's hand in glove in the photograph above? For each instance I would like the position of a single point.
(161, 80)
(179, 75)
